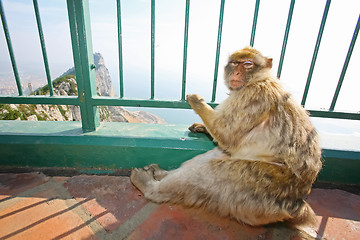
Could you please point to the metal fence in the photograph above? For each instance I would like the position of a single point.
(80, 28)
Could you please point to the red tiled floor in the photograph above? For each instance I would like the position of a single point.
(338, 213)
(11, 184)
(60, 179)
(114, 196)
(108, 207)
(174, 222)
(44, 216)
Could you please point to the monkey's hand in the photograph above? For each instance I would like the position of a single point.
(205, 111)
(196, 101)
(198, 128)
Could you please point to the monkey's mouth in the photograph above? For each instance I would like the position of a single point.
(234, 84)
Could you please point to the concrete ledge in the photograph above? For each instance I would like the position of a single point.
(127, 145)
(113, 145)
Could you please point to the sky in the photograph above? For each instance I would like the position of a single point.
(203, 27)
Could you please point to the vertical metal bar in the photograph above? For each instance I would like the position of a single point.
(346, 63)
(286, 36)
(186, 32)
(43, 48)
(79, 21)
(152, 49)
(256, 13)
(10, 49)
(218, 45)
(316, 50)
(118, 7)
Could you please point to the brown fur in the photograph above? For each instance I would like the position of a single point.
(267, 157)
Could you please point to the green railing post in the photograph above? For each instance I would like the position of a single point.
(11, 52)
(253, 30)
(152, 49)
(186, 37)
(286, 36)
(118, 8)
(221, 17)
(80, 30)
(316, 50)
(346, 63)
(43, 48)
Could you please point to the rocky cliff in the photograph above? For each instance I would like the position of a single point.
(104, 86)
(65, 85)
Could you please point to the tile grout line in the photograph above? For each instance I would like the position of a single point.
(88, 219)
(132, 223)
(23, 195)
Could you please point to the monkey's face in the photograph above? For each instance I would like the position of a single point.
(237, 72)
(242, 65)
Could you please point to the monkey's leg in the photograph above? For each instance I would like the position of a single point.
(191, 178)
(205, 157)
(179, 186)
(141, 178)
(158, 172)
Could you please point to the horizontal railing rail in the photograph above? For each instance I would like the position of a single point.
(80, 29)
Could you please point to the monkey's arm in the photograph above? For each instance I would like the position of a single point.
(199, 105)
(207, 114)
(219, 129)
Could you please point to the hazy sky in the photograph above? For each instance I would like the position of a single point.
(203, 27)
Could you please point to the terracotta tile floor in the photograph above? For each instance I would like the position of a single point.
(35, 206)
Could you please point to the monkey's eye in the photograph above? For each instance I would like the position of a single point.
(234, 63)
(248, 64)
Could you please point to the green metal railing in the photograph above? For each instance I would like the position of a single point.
(186, 32)
(317, 46)
(43, 48)
(80, 29)
(10, 48)
(121, 77)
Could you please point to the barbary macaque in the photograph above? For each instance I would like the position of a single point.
(267, 158)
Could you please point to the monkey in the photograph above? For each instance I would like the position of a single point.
(266, 159)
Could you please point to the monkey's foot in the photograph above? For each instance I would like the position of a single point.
(198, 128)
(158, 173)
(141, 178)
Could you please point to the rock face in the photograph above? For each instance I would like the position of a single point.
(36, 112)
(66, 85)
(120, 114)
(104, 86)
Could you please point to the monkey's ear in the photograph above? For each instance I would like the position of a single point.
(269, 62)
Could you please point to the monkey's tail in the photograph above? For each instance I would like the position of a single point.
(304, 215)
